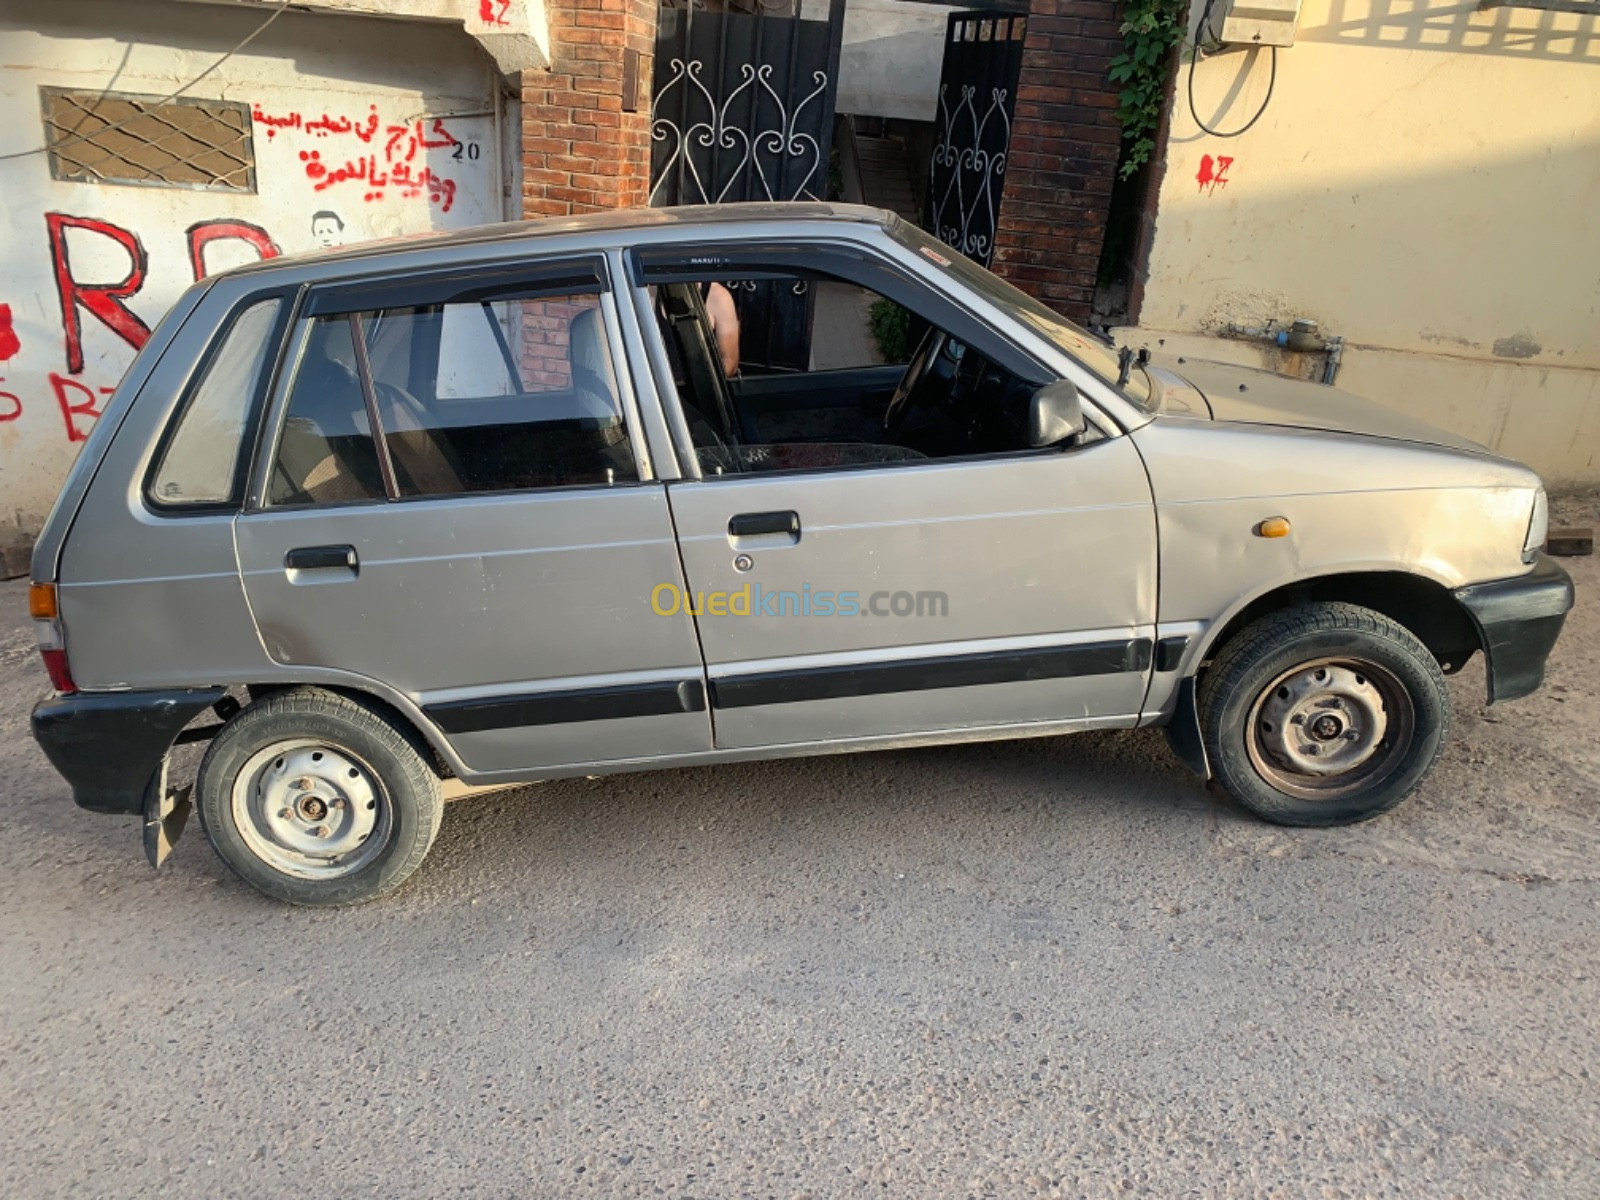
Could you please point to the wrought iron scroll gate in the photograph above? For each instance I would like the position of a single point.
(977, 97)
(743, 110)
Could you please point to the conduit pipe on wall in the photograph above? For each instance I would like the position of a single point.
(1300, 336)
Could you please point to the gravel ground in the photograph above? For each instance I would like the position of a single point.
(1056, 967)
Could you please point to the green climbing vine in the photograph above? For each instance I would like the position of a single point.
(1150, 29)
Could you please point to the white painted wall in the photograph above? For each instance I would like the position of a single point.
(515, 33)
(337, 102)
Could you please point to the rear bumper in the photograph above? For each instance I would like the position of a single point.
(109, 745)
(1518, 622)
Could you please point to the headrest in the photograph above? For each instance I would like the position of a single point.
(588, 354)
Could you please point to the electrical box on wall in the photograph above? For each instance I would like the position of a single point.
(1260, 23)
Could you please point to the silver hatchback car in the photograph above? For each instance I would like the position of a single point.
(674, 487)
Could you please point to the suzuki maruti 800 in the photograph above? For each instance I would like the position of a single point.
(492, 506)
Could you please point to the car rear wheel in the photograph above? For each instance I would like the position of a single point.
(315, 799)
(1324, 714)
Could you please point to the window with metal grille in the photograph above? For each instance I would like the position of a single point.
(100, 137)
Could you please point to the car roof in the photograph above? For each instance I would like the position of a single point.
(603, 225)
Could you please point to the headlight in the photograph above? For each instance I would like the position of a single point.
(1538, 526)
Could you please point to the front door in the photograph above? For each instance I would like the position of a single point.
(864, 571)
(492, 554)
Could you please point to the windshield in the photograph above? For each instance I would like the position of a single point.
(1083, 346)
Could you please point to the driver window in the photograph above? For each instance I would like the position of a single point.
(853, 326)
(807, 371)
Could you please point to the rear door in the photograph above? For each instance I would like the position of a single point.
(492, 553)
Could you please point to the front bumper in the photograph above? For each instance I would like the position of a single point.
(1518, 622)
(110, 745)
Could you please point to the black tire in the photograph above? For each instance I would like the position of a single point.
(1270, 669)
(368, 774)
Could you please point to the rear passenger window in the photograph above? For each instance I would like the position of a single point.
(326, 454)
(200, 465)
(503, 395)
(486, 395)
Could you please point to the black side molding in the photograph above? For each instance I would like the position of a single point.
(109, 745)
(1518, 621)
(659, 698)
(1169, 652)
(916, 674)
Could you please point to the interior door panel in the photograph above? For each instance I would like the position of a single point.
(829, 406)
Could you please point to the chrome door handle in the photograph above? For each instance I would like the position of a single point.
(322, 558)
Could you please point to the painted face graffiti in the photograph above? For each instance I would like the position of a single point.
(327, 229)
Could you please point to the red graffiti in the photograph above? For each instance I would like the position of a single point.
(9, 345)
(375, 172)
(493, 11)
(412, 184)
(416, 139)
(13, 408)
(324, 126)
(85, 407)
(1213, 173)
(203, 233)
(103, 300)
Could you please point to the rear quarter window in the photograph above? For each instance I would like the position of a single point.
(199, 462)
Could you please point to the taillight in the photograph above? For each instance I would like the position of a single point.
(55, 665)
(52, 638)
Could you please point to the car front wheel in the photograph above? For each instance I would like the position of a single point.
(1324, 714)
(317, 800)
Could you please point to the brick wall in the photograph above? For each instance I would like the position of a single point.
(545, 326)
(580, 150)
(1063, 157)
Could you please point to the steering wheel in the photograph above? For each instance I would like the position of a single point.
(918, 370)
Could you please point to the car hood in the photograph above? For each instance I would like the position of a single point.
(1256, 397)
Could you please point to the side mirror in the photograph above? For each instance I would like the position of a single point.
(1054, 414)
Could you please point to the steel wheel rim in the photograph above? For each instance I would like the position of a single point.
(1326, 729)
(310, 809)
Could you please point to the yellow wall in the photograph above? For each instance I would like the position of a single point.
(1425, 182)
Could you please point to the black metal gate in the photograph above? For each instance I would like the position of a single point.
(977, 97)
(743, 110)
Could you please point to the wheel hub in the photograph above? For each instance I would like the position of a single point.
(1327, 729)
(308, 809)
(1324, 719)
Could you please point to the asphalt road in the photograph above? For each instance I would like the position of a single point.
(1056, 967)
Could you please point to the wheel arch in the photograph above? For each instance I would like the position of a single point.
(1423, 605)
(429, 742)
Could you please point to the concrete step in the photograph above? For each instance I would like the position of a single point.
(886, 175)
